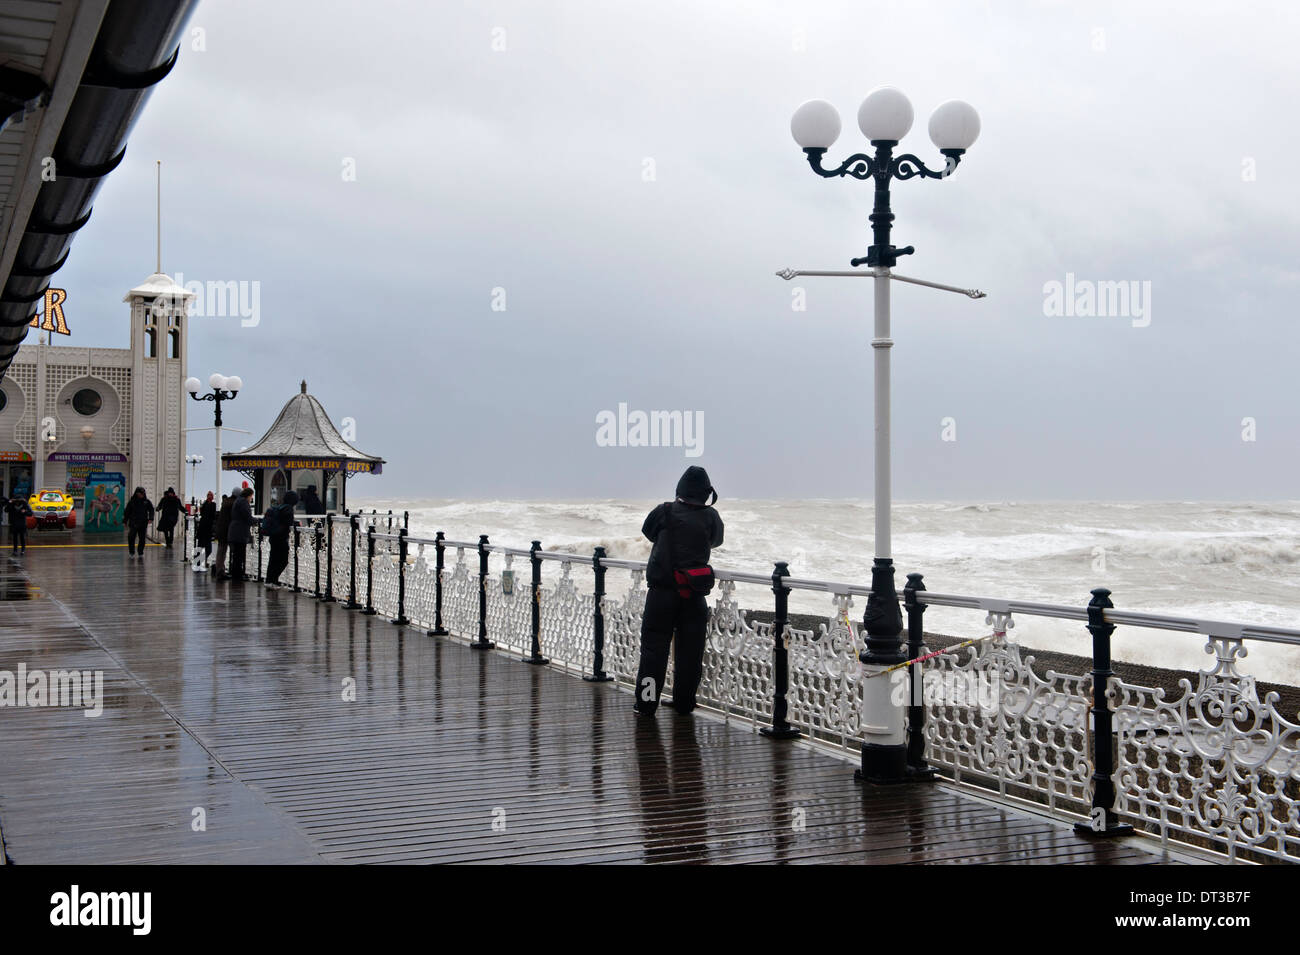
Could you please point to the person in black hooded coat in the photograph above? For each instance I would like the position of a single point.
(169, 509)
(684, 531)
(277, 526)
(138, 515)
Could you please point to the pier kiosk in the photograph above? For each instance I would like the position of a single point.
(301, 449)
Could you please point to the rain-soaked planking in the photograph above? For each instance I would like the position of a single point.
(241, 724)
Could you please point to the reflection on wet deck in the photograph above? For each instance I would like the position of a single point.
(231, 707)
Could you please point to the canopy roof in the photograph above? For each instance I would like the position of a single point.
(302, 437)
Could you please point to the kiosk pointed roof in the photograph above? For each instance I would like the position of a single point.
(303, 429)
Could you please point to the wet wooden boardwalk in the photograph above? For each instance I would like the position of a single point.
(227, 735)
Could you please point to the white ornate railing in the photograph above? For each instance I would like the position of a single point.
(1217, 768)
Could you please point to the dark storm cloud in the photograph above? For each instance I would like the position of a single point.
(1119, 143)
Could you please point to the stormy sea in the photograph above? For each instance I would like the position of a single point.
(1223, 561)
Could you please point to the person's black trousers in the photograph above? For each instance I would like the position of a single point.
(238, 554)
(667, 613)
(134, 534)
(278, 560)
(18, 535)
(167, 535)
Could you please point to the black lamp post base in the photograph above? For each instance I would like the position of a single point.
(1112, 830)
(536, 660)
(482, 645)
(883, 765)
(920, 774)
(400, 621)
(780, 732)
(601, 677)
(369, 612)
(439, 632)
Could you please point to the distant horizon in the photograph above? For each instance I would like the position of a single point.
(578, 498)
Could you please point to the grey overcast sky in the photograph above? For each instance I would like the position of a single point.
(1148, 142)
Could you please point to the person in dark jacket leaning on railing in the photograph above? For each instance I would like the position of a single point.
(239, 534)
(220, 531)
(277, 523)
(678, 576)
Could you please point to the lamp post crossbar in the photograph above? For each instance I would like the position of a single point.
(789, 274)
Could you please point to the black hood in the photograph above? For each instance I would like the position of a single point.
(695, 486)
(291, 498)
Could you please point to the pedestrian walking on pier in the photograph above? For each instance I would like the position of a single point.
(277, 522)
(138, 516)
(18, 510)
(169, 509)
(678, 576)
(220, 530)
(205, 525)
(240, 533)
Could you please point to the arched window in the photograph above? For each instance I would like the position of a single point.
(279, 484)
(151, 343)
(174, 343)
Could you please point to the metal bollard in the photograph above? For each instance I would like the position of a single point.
(536, 655)
(1103, 821)
(482, 643)
(598, 674)
(439, 548)
(296, 588)
(329, 559)
(917, 767)
(370, 570)
(351, 603)
(780, 728)
(401, 619)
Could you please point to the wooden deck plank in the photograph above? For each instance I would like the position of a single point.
(231, 698)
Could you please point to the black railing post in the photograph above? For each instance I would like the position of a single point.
(536, 655)
(482, 643)
(780, 728)
(185, 537)
(406, 520)
(1103, 821)
(329, 559)
(439, 549)
(296, 588)
(351, 603)
(315, 539)
(370, 570)
(917, 767)
(598, 674)
(258, 531)
(400, 619)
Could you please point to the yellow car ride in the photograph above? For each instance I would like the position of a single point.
(51, 508)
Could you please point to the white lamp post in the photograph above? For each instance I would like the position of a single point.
(884, 117)
(193, 460)
(223, 389)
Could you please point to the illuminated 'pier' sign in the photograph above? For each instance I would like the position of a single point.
(52, 320)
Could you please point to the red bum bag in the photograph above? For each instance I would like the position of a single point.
(696, 580)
